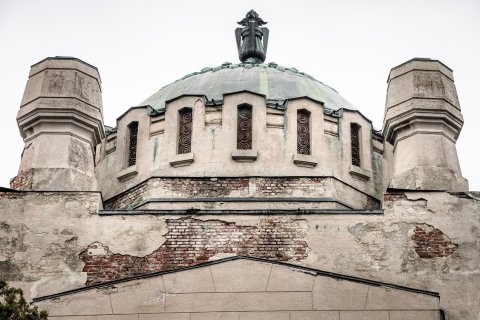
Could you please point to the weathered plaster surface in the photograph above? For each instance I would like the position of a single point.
(43, 234)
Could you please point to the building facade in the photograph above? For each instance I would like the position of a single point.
(243, 191)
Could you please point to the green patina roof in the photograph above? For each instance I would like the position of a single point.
(271, 80)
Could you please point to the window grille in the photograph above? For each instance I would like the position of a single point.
(303, 132)
(355, 136)
(185, 131)
(244, 127)
(132, 145)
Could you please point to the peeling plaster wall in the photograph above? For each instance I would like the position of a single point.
(193, 241)
(43, 235)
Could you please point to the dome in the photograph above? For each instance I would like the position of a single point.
(271, 80)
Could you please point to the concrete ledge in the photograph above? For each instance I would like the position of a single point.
(127, 173)
(74, 116)
(360, 173)
(377, 146)
(304, 160)
(244, 155)
(254, 212)
(182, 160)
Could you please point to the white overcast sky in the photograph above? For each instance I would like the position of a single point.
(140, 46)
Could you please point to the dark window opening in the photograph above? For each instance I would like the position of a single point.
(185, 131)
(244, 127)
(355, 136)
(132, 144)
(303, 132)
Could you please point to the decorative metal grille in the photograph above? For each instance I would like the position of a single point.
(185, 131)
(244, 127)
(303, 132)
(355, 136)
(132, 147)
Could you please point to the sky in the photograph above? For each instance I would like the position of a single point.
(140, 46)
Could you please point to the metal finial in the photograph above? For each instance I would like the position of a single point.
(252, 38)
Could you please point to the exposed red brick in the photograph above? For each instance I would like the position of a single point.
(181, 187)
(432, 243)
(393, 196)
(190, 241)
(207, 187)
(23, 181)
(222, 187)
(11, 195)
(126, 199)
(286, 186)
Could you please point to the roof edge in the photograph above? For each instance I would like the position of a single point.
(65, 58)
(309, 270)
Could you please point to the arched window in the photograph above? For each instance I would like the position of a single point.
(355, 142)
(303, 132)
(132, 143)
(244, 127)
(185, 131)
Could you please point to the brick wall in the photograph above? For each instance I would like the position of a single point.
(432, 243)
(228, 187)
(216, 187)
(127, 199)
(179, 187)
(393, 196)
(286, 186)
(11, 194)
(207, 187)
(191, 241)
(23, 181)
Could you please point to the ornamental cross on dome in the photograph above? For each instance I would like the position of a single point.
(252, 38)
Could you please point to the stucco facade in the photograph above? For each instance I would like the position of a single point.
(313, 215)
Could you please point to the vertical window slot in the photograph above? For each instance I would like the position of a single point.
(132, 143)
(185, 131)
(244, 127)
(303, 132)
(355, 142)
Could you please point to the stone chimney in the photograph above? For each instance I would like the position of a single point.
(423, 121)
(61, 122)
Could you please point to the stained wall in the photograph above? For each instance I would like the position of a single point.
(56, 241)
